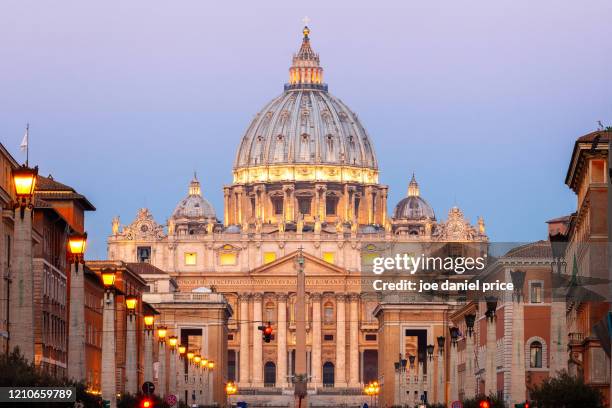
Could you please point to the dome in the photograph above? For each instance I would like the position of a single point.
(305, 125)
(194, 206)
(413, 207)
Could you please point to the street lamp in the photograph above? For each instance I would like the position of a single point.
(182, 349)
(454, 333)
(109, 387)
(470, 319)
(190, 355)
(172, 342)
(211, 365)
(441, 341)
(161, 337)
(149, 320)
(131, 370)
(197, 358)
(24, 179)
(76, 245)
(491, 307)
(230, 389)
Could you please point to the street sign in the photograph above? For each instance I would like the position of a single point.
(171, 400)
(148, 388)
(456, 404)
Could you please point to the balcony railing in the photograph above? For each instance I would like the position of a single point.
(576, 338)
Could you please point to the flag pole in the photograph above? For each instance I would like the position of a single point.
(28, 145)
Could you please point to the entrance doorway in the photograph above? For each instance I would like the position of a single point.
(328, 374)
(269, 374)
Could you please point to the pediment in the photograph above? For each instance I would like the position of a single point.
(286, 266)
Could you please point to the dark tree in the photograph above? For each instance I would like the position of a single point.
(565, 391)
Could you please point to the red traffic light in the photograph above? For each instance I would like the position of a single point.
(268, 330)
(484, 404)
(146, 403)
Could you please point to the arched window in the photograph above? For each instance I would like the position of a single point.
(535, 353)
(328, 313)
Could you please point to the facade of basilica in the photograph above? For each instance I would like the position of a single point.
(305, 179)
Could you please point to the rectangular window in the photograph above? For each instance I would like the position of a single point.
(277, 202)
(328, 337)
(304, 205)
(269, 257)
(535, 290)
(227, 259)
(331, 204)
(329, 257)
(190, 258)
(143, 254)
(370, 337)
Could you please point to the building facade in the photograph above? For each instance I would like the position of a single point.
(305, 179)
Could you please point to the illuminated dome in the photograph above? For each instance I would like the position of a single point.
(305, 133)
(413, 207)
(194, 206)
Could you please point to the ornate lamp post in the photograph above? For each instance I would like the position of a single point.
(161, 337)
(76, 329)
(230, 389)
(441, 391)
(149, 321)
(109, 386)
(490, 366)
(182, 350)
(131, 370)
(20, 291)
(210, 366)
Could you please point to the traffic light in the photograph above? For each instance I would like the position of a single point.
(267, 332)
(484, 404)
(146, 403)
(105, 404)
(523, 405)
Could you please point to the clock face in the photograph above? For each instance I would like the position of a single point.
(144, 228)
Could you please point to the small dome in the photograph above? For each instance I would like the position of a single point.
(413, 207)
(194, 205)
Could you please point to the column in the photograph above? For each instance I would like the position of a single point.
(491, 351)
(354, 341)
(244, 339)
(441, 386)
(108, 371)
(76, 329)
(148, 355)
(161, 386)
(518, 388)
(131, 373)
(257, 377)
(317, 378)
(558, 332)
(22, 286)
(281, 341)
(340, 369)
(226, 202)
(172, 372)
(469, 386)
(454, 377)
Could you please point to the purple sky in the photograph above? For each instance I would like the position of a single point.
(482, 99)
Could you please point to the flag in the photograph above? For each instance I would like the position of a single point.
(24, 142)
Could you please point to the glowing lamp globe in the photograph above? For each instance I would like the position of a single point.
(24, 179)
(131, 302)
(108, 278)
(182, 349)
(172, 341)
(161, 332)
(77, 243)
(149, 320)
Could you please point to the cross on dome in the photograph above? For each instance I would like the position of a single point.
(413, 188)
(305, 71)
